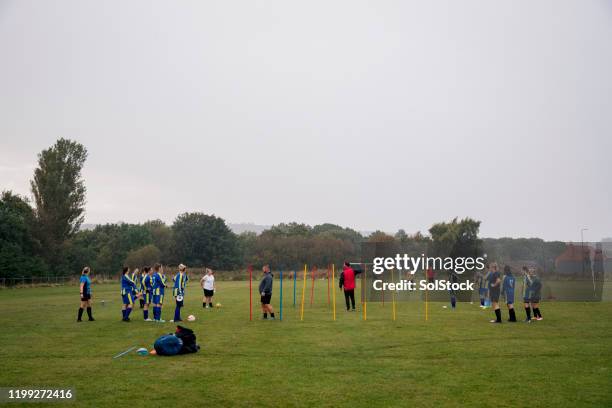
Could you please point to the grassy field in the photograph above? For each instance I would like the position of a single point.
(456, 358)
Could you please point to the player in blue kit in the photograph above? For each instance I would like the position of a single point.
(147, 291)
(85, 292)
(494, 281)
(453, 278)
(536, 294)
(128, 293)
(527, 293)
(508, 284)
(481, 283)
(137, 278)
(180, 282)
(158, 286)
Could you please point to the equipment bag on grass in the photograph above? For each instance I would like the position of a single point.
(168, 345)
(188, 338)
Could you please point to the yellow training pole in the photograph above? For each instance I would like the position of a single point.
(303, 292)
(393, 296)
(333, 285)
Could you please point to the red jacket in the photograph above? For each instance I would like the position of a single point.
(347, 279)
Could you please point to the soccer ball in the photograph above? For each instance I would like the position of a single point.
(191, 318)
(218, 305)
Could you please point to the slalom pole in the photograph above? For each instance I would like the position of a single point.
(294, 282)
(303, 291)
(123, 353)
(365, 300)
(312, 271)
(250, 293)
(383, 292)
(281, 294)
(327, 285)
(426, 301)
(393, 296)
(334, 291)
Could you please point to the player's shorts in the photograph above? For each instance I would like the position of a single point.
(128, 299)
(158, 299)
(146, 298)
(482, 292)
(535, 299)
(209, 292)
(509, 298)
(265, 299)
(85, 297)
(494, 295)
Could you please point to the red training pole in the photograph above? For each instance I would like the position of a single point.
(250, 293)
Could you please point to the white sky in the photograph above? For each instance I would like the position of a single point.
(373, 115)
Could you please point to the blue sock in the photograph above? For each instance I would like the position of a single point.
(146, 314)
(154, 312)
(157, 313)
(453, 302)
(127, 312)
(481, 302)
(123, 313)
(177, 313)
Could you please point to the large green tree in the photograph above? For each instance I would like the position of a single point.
(18, 247)
(202, 239)
(456, 238)
(59, 195)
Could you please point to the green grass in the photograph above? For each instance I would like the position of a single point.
(456, 358)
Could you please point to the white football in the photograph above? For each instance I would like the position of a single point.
(191, 318)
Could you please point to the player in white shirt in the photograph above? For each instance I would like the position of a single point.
(208, 284)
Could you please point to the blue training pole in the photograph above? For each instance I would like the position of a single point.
(294, 278)
(281, 295)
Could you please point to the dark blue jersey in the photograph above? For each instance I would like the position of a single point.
(146, 283)
(127, 285)
(158, 283)
(508, 284)
(86, 284)
(180, 281)
(492, 278)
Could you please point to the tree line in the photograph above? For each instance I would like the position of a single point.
(44, 236)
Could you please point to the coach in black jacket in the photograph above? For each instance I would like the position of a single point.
(265, 289)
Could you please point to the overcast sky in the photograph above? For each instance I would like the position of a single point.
(373, 115)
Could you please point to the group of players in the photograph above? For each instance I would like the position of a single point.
(491, 285)
(148, 286)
